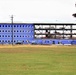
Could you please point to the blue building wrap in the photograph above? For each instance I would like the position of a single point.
(21, 33)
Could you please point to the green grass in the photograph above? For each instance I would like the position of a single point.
(38, 61)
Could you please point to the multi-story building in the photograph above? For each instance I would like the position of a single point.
(18, 32)
(38, 33)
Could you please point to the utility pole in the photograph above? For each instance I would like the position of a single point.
(12, 28)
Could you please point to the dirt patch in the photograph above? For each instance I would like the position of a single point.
(19, 46)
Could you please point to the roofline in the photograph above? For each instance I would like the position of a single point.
(43, 23)
(16, 23)
(55, 23)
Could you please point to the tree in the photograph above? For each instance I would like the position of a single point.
(74, 15)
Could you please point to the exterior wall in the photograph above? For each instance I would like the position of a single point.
(21, 33)
(55, 33)
(5, 33)
(55, 41)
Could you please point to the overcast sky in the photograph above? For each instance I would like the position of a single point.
(37, 11)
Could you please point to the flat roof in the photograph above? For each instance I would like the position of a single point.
(44, 23)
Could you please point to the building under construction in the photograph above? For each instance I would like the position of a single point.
(38, 33)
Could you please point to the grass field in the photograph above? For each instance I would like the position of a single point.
(37, 60)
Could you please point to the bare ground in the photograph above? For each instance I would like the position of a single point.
(54, 46)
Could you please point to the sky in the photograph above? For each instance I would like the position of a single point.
(37, 11)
